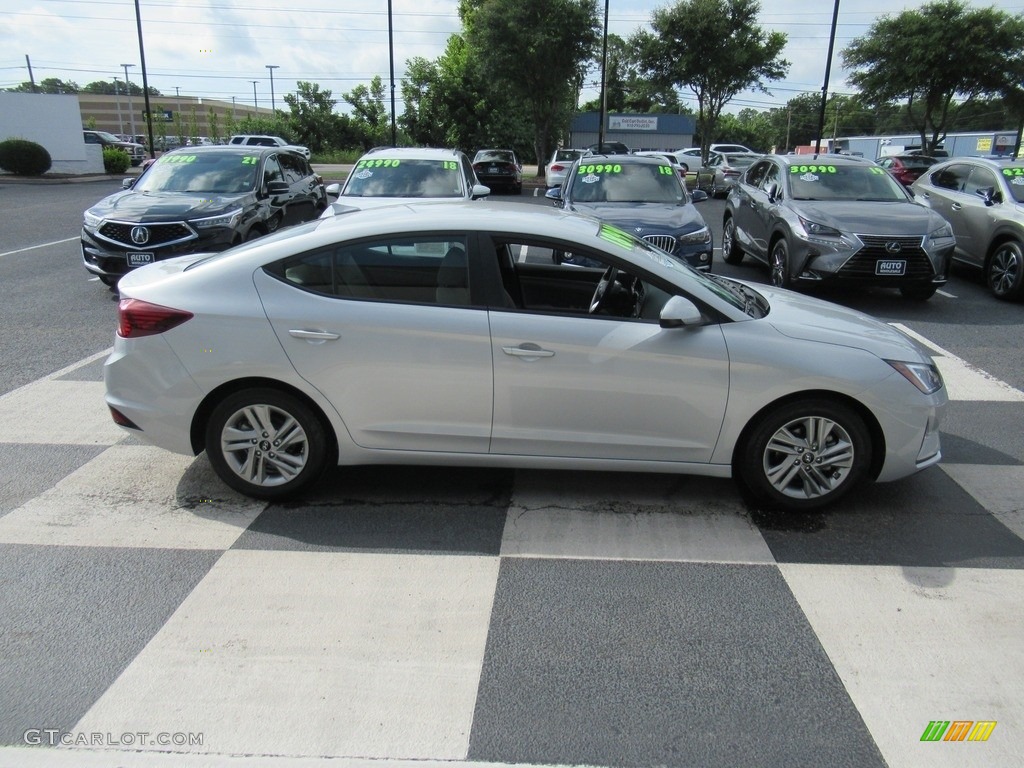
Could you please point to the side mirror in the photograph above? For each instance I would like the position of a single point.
(680, 312)
(278, 188)
(479, 190)
(127, 183)
(333, 191)
(774, 193)
(699, 195)
(555, 195)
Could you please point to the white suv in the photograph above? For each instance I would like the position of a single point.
(269, 141)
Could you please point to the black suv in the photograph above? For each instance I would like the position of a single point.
(199, 199)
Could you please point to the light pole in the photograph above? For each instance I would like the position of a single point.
(117, 95)
(254, 102)
(272, 67)
(128, 87)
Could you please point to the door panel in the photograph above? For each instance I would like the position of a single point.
(600, 387)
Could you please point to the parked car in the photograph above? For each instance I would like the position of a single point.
(411, 334)
(643, 195)
(983, 200)
(558, 168)
(736, 148)
(609, 148)
(906, 168)
(721, 172)
(251, 140)
(136, 152)
(499, 169)
(682, 165)
(839, 221)
(691, 157)
(395, 174)
(198, 199)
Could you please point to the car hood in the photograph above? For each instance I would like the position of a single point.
(870, 217)
(641, 218)
(804, 317)
(170, 206)
(349, 203)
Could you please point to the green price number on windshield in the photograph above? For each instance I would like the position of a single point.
(450, 165)
(250, 161)
(379, 163)
(812, 169)
(1013, 171)
(178, 159)
(600, 168)
(664, 170)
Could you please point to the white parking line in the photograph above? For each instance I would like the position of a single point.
(42, 245)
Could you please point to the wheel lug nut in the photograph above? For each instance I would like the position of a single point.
(265, 434)
(259, 453)
(277, 442)
(271, 455)
(254, 441)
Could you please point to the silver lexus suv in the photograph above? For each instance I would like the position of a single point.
(983, 200)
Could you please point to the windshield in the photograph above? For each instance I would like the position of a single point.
(211, 172)
(627, 183)
(844, 182)
(1014, 176)
(404, 178)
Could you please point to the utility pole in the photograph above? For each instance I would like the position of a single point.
(31, 77)
(272, 67)
(117, 95)
(131, 109)
(255, 104)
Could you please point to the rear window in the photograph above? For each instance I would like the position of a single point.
(917, 163)
(611, 182)
(566, 155)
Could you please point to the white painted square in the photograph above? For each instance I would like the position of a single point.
(316, 654)
(593, 515)
(58, 412)
(914, 645)
(999, 489)
(135, 496)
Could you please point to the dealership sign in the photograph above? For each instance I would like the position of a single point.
(632, 123)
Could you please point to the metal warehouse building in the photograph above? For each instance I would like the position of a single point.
(638, 132)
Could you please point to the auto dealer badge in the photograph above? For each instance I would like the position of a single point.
(140, 235)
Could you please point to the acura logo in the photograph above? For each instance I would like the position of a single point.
(140, 235)
(891, 247)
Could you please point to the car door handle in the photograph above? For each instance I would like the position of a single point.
(956, 206)
(299, 333)
(529, 351)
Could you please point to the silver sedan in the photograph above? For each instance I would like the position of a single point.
(419, 334)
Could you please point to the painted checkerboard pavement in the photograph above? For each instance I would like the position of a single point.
(428, 617)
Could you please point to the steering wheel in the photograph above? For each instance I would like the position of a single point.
(598, 300)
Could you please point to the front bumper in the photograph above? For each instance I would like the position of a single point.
(108, 259)
(865, 260)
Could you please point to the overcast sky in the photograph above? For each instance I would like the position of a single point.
(215, 48)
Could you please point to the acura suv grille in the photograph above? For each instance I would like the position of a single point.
(120, 232)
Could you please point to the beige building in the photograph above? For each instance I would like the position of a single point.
(114, 114)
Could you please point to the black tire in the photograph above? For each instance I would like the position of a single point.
(918, 292)
(1004, 272)
(783, 465)
(778, 263)
(251, 461)
(731, 251)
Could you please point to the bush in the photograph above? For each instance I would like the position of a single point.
(115, 160)
(24, 158)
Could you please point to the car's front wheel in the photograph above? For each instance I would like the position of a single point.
(804, 455)
(266, 443)
(731, 251)
(779, 264)
(1005, 271)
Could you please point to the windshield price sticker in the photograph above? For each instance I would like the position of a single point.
(178, 159)
(812, 169)
(450, 165)
(250, 160)
(379, 163)
(615, 235)
(665, 170)
(809, 177)
(600, 168)
(1016, 172)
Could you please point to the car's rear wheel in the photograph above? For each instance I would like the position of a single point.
(265, 443)
(779, 264)
(804, 455)
(731, 251)
(1005, 271)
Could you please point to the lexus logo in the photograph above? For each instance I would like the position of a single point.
(891, 247)
(140, 235)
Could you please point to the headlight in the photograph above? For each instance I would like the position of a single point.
(815, 229)
(924, 376)
(91, 220)
(229, 219)
(702, 235)
(940, 235)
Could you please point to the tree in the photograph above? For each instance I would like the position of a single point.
(312, 117)
(48, 85)
(214, 124)
(715, 49)
(111, 88)
(370, 115)
(928, 56)
(536, 50)
(627, 88)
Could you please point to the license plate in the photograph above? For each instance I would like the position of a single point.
(136, 259)
(891, 267)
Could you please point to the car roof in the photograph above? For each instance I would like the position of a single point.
(231, 149)
(830, 159)
(414, 153)
(634, 159)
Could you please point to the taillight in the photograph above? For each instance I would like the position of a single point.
(557, 167)
(136, 318)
